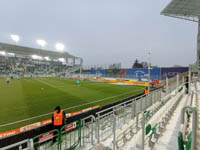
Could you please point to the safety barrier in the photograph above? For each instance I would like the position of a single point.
(187, 134)
(68, 138)
(151, 131)
(50, 140)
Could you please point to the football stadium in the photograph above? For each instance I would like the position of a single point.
(50, 101)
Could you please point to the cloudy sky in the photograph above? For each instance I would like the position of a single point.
(102, 31)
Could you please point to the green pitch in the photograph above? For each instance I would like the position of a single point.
(29, 97)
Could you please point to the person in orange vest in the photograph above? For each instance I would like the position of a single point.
(58, 119)
(146, 91)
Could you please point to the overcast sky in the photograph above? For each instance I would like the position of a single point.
(102, 31)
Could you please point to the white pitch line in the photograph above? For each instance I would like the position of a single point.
(44, 82)
(35, 117)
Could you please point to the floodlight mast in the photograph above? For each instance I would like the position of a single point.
(15, 38)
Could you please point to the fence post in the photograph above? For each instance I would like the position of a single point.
(160, 95)
(83, 131)
(98, 129)
(132, 109)
(92, 131)
(167, 85)
(137, 120)
(189, 81)
(143, 126)
(114, 132)
(145, 101)
(30, 144)
(141, 103)
(124, 114)
(150, 97)
(177, 81)
(156, 96)
(20, 147)
(194, 122)
(79, 131)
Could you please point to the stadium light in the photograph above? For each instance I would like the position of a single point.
(36, 57)
(42, 43)
(61, 60)
(2, 53)
(11, 54)
(15, 38)
(60, 47)
(46, 58)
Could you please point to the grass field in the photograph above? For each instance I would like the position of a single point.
(31, 97)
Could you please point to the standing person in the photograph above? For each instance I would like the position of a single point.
(7, 80)
(146, 91)
(187, 85)
(78, 82)
(58, 119)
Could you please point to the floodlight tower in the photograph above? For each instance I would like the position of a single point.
(15, 38)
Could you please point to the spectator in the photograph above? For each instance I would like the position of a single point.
(58, 120)
(146, 91)
(187, 85)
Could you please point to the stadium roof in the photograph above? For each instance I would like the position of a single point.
(28, 51)
(183, 9)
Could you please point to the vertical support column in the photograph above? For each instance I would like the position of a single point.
(194, 122)
(114, 132)
(92, 137)
(143, 128)
(133, 109)
(189, 81)
(167, 85)
(124, 114)
(160, 95)
(183, 79)
(198, 46)
(98, 128)
(83, 131)
(30, 144)
(177, 81)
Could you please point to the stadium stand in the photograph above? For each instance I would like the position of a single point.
(25, 61)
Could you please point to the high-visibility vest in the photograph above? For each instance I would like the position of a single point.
(58, 118)
(146, 91)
